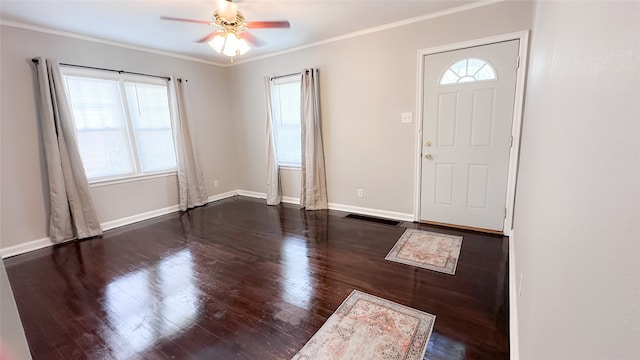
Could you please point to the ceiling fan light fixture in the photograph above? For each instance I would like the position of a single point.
(243, 46)
(231, 37)
(217, 43)
(229, 44)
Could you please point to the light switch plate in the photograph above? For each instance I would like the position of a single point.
(407, 118)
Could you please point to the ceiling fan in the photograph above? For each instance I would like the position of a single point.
(232, 38)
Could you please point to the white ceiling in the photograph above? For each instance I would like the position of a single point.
(137, 22)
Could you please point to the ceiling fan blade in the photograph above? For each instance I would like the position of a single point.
(227, 10)
(186, 20)
(251, 39)
(268, 24)
(208, 37)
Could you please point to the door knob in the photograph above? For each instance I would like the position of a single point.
(427, 156)
(427, 144)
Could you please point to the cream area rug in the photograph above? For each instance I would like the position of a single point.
(371, 328)
(429, 250)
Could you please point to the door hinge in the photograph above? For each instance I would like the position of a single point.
(511, 141)
(505, 213)
(517, 62)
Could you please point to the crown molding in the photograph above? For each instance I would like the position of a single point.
(358, 33)
(375, 29)
(19, 25)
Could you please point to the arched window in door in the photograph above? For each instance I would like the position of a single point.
(468, 70)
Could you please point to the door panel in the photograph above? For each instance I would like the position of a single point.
(444, 184)
(447, 115)
(482, 117)
(478, 186)
(467, 135)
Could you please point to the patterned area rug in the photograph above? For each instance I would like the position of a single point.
(429, 250)
(372, 328)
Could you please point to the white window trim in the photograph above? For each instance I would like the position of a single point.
(110, 75)
(290, 167)
(127, 179)
(122, 78)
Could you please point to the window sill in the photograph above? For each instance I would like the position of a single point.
(134, 178)
(289, 167)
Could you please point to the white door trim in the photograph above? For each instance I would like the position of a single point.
(523, 36)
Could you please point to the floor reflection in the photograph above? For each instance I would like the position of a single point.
(442, 347)
(296, 283)
(151, 304)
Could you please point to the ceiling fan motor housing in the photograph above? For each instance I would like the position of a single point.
(237, 25)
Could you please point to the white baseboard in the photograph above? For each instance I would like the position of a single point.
(252, 194)
(138, 217)
(109, 225)
(290, 200)
(25, 247)
(372, 212)
(514, 348)
(333, 206)
(159, 212)
(225, 195)
(259, 195)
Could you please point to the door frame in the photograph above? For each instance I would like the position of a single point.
(516, 126)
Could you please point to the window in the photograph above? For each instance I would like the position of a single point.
(468, 70)
(285, 105)
(123, 123)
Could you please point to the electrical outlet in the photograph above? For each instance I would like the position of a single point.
(360, 193)
(407, 117)
(216, 183)
(520, 286)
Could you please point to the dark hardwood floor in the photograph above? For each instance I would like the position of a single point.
(237, 279)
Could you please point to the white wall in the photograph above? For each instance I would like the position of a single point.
(366, 83)
(12, 338)
(23, 179)
(577, 215)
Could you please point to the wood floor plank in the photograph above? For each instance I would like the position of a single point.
(237, 279)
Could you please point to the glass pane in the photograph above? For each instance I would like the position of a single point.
(286, 113)
(105, 153)
(156, 150)
(289, 96)
(96, 103)
(288, 146)
(101, 127)
(460, 68)
(148, 106)
(151, 118)
(473, 65)
(486, 73)
(468, 70)
(449, 78)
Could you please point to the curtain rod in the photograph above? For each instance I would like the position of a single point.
(281, 76)
(35, 61)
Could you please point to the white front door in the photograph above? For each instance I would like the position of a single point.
(466, 135)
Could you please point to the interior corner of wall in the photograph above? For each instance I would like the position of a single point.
(514, 347)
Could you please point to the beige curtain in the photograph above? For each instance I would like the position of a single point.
(274, 190)
(313, 192)
(191, 188)
(72, 214)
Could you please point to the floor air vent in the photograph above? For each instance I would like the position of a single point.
(373, 219)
